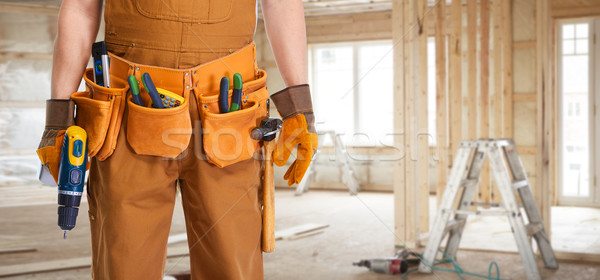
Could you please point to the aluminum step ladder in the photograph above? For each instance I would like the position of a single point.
(343, 161)
(450, 220)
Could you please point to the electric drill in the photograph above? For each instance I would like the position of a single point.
(71, 176)
(396, 265)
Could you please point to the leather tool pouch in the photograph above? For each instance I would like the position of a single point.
(167, 132)
(226, 137)
(99, 111)
(158, 132)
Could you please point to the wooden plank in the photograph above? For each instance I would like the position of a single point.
(553, 111)
(455, 78)
(299, 230)
(543, 134)
(576, 12)
(560, 255)
(565, 4)
(507, 58)
(347, 37)
(332, 8)
(29, 9)
(524, 44)
(17, 250)
(422, 123)
(527, 150)
(472, 69)
(471, 100)
(497, 102)
(356, 27)
(441, 99)
(398, 30)
(525, 97)
(65, 264)
(47, 266)
(571, 256)
(484, 5)
(25, 55)
(412, 194)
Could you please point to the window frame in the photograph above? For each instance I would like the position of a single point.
(593, 197)
(355, 45)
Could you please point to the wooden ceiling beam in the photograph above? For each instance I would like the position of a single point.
(20, 8)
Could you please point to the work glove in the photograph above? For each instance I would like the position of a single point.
(59, 116)
(295, 108)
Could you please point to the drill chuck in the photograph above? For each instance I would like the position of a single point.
(67, 217)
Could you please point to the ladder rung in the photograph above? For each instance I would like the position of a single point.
(484, 204)
(480, 212)
(503, 142)
(468, 182)
(534, 228)
(520, 184)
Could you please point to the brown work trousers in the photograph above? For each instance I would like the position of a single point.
(131, 199)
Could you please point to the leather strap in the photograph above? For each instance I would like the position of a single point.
(59, 113)
(295, 100)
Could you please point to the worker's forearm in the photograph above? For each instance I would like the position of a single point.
(286, 29)
(78, 24)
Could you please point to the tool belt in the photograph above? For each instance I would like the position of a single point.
(167, 132)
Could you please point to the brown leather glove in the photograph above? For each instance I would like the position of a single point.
(294, 105)
(59, 116)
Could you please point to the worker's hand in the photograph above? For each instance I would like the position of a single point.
(59, 116)
(295, 107)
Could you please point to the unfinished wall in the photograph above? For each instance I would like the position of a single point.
(27, 33)
(25, 63)
(575, 8)
(495, 93)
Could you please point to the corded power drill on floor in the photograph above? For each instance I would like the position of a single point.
(396, 265)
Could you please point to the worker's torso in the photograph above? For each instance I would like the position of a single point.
(178, 33)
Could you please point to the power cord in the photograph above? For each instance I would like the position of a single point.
(458, 270)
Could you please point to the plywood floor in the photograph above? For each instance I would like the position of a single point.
(359, 227)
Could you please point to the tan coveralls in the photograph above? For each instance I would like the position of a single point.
(131, 196)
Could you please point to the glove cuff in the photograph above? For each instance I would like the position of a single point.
(59, 113)
(293, 101)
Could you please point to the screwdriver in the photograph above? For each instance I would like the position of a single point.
(151, 89)
(135, 90)
(236, 96)
(224, 96)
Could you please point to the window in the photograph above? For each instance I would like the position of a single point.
(431, 91)
(575, 71)
(570, 111)
(575, 39)
(353, 91)
(574, 166)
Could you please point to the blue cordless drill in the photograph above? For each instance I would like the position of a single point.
(71, 176)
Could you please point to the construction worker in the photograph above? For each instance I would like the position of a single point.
(139, 155)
